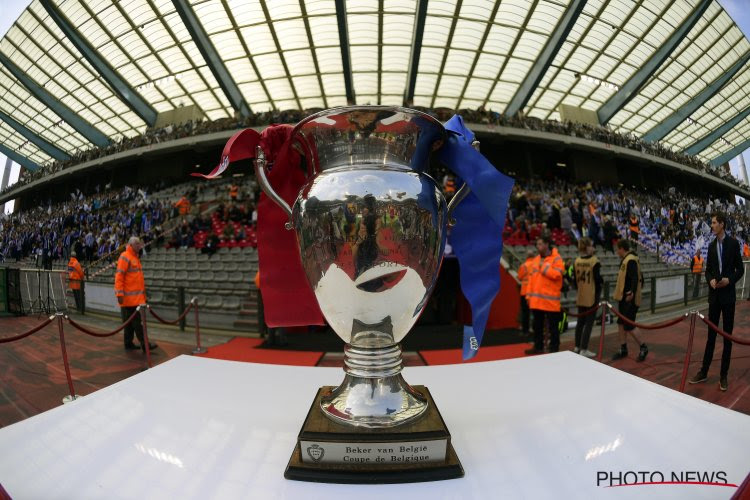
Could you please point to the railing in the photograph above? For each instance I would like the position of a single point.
(139, 314)
(693, 316)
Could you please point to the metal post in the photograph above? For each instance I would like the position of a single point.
(689, 351)
(604, 306)
(72, 396)
(606, 291)
(142, 310)
(198, 349)
(653, 295)
(685, 288)
(181, 305)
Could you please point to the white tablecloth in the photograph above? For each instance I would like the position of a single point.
(539, 427)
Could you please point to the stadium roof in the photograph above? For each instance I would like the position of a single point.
(77, 73)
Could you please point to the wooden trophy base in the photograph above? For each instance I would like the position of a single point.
(329, 452)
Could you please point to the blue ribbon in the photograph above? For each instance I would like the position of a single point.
(477, 237)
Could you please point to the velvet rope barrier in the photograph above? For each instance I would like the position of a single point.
(184, 313)
(655, 326)
(721, 332)
(30, 332)
(585, 313)
(72, 396)
(198, 349)
(688, 351)
(146, 342)
(97, 334)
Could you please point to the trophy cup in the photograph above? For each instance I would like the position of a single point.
(371, 228)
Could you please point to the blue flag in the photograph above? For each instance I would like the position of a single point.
(477, 237)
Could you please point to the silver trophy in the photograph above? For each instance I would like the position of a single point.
(371, 228)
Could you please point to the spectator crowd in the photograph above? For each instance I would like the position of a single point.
(93, 226)
(671, 224)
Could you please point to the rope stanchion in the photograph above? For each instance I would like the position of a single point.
(588, 312)
(689, 351)
(604, 306)
(30, 332)
(146, 343)
(72, 396)
(721, 332)
(198, 349)
(162, 320)
(655, 326)
(85, 330)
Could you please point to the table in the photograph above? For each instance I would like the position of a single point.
(539, 427)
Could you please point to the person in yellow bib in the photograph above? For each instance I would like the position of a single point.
(588, 280)
(696, 264)
(628, 293)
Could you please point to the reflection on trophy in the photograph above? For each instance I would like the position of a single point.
(370, 224)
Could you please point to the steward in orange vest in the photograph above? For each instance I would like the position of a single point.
(635, 229)
(233, 192)
(75, 279)
(544, 292)
(697, 263)
(183, 206)
(697, 268)
(75, 273)
(524, 274)
(130, 289)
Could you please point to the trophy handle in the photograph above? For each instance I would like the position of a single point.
(460, 194)
(260, 174)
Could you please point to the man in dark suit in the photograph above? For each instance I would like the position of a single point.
(723, 270)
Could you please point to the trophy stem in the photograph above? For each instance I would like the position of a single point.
(374, 393)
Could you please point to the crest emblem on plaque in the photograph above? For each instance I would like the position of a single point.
(315, 452)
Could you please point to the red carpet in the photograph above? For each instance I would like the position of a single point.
(488, 353)
(245, 349)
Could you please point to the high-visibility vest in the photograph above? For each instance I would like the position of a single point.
(634, 225)
(545, 284)
(620, 286)
(584, 272)
(233, 191)
(183, 206)
(75, 274)
(129, 283)
(524, 274)
(746, 251)
(697, 265)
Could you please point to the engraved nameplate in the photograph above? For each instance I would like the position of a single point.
(373, 453)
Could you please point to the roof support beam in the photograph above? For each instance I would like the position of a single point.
(47, 147)
(545, 58)
(211, 56)
(21, 160)
(709, 139)
(735, 151)
(630, 88)
(128, 95)
(68, 115)
(416, 51)
(346, 58)
(672, 121)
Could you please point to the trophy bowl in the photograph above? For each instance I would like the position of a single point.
(371, 228)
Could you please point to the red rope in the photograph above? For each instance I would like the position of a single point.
(586, 313)
(184, 313)
(98, 334)
(33, 330)
(655, 326)
(722, 332)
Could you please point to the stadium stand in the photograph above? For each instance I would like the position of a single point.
(565, 128)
